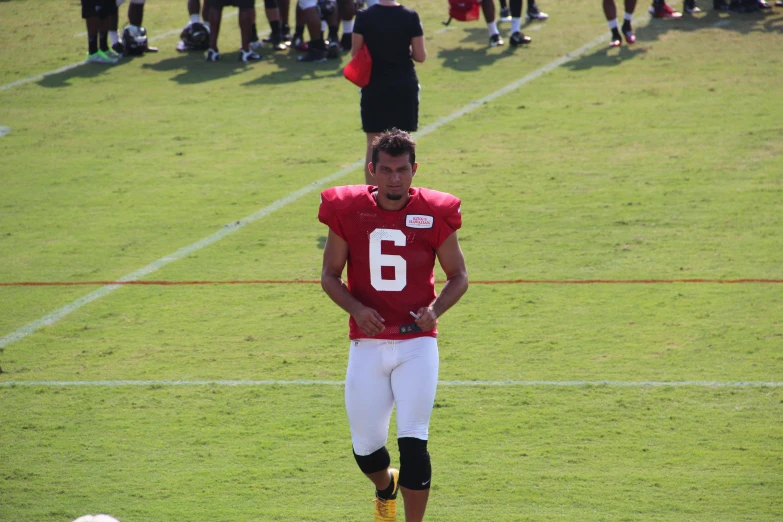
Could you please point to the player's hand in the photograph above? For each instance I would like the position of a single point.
(370, 322)
(427, 320)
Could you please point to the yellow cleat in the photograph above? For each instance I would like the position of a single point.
(386, 509)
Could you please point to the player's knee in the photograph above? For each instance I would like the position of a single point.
(376, 461)
(415, 467)
(307, 4)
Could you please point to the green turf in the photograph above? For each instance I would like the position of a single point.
(661, 161)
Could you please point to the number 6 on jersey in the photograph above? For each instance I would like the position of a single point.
(378, 260)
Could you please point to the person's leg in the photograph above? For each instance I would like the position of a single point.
(215, 17)
(347, 13)
(369, 403)
(610, 12)
(517, 38)
(316, 48)
(630, 36)
(488, 9)
(93, 24)
(246, 18)
(414, 384)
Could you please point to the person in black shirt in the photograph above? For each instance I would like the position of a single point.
(395, 38)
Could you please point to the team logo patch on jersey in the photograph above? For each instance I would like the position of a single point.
(419, 221)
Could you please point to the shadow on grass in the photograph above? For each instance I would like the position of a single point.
(655, 30)
(63, 79)
(290, 70)
(469, 59)
(191, 68)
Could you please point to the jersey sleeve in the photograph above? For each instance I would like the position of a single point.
(416, 28)
(359, 23)
(328, 212)
(450, 213)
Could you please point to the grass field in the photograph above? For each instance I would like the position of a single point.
(222, 402)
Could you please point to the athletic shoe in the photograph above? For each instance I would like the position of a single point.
(249, 56)
(764, 4)
(630, 36)
(495, 40)
(333, 50)
(101, 57)
(519, 39)
(779, 3)
(616, 40)
(313, 55)
(119, 49)
(299, 44)
(386, 509)
(664, 11)
(505, 15)
(689, 6)
(346, 42)
(534, 14)
(258, 44)
(112, 54)
(212, 55)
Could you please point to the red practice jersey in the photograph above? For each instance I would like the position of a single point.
(391, 253)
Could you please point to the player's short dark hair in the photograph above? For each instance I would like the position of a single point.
(394, 142)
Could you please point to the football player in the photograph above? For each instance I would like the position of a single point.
(247, 17)
(610, 11)
(533, 12)
(316, 47)
(390, 236)
(495, 40)
(97, 16)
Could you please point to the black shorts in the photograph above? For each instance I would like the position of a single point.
(242, 4)
(387, 106)
(100, 8)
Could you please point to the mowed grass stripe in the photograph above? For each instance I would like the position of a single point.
(641, 384)
(58, 314)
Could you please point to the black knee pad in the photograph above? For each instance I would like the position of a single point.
(376, 461)
(415, 467)
(270, 4)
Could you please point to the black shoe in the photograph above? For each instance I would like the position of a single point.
(495, 40)
(333, 50)
(119, 49)
(720, 5)
(313, 55)
(689, 7)
(346, 43)
(533, 13)
(519, 39)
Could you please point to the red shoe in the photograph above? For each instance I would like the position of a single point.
(630, 37)
(664, 11)
(616, 42)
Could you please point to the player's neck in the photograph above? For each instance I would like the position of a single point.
(390, 204)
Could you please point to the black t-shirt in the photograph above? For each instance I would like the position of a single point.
(388, 31)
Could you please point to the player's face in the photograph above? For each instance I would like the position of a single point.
(394, 175)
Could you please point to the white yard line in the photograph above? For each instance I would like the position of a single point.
(58, 314)
(4, 131)
(621, 384)
(79, 64)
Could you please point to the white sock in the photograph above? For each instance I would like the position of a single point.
(324, 26)
(493, 28)
(612, 24)
(206, 24)
(516, 25)
(195, 19)
(114, 37)
(347, 26)
(628, 17)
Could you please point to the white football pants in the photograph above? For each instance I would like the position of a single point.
(382, 373)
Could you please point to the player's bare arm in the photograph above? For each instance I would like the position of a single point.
(335, 257)
(452, 261)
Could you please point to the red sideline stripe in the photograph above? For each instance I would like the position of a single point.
(489, 282)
